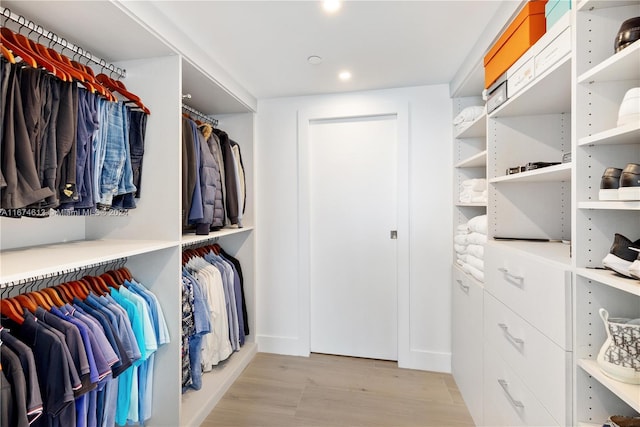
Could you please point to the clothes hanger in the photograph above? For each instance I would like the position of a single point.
(65, 292)
(109, 281)
(18, 50)
(23, 41)
(40, 299)
(26, 302)
(119, 87)
(126, 273)
(78, 290)
(7, 54)
(8, 309)
(53, 296)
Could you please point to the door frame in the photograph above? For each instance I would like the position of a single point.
(354, 111)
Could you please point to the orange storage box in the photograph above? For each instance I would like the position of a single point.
(522, 33)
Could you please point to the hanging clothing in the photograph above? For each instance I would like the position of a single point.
(93, 360)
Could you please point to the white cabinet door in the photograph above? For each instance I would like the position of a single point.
(466, 341)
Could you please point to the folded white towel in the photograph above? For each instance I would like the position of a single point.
(460, 263)
(475, 262)
(461, 257)
(461, 249)
(461, 239)
(479, 275)
(476, 238)
(476, 250)
(468, 114)
(478, 224)
(479, 184)
(462, 229)
(479, 199)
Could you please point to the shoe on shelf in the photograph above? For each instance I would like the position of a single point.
(629, 111)
(634, 269)
(630, 182)
(621, 256)
(609, 184)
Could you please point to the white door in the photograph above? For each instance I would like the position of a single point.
(353, 265)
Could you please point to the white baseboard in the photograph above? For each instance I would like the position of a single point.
(426, 361)
(291, 346)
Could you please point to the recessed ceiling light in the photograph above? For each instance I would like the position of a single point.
(344, 75)
(331, 6)
(314, 60)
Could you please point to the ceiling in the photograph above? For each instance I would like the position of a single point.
(264, 45)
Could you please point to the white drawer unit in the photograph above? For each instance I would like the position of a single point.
(507, 400)
(541, 364)
(537, 289)
(466, 345)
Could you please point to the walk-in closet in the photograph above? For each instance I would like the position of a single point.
(320, 213)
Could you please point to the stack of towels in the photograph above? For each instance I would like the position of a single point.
(469, 244)
(473, 191)
(466, 117)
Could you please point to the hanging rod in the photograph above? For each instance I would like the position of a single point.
(53, 37)
(64, 272)
(208, 119)
(201, 243)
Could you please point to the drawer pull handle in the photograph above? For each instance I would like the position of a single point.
(463, 286)
(513, 339)
(516, 403)
(511, 275)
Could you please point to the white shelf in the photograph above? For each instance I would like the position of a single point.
(610, 278)
(621, 66)
(589, 424)
(32, 262)
(554, 251)
(197, 404)
(550, 93)
(561, 172)
(611, 205)
(476, 129)
(478, 205)
(586, 5)
(629, 393)
(192, 239)
(627, 134)
(476, 161)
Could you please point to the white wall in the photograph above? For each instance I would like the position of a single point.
(280, 326)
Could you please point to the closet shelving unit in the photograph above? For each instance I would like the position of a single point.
(148, 237)
(470, 161)
(601, 79)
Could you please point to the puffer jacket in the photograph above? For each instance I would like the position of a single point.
(231, 179)
(208, 174)
(218, 206)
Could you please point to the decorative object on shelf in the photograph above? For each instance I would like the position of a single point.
(630, 182)
(622, 421)
(609, 184)
(629, 32)
(619, 356)
(621, 255)
(629, 111)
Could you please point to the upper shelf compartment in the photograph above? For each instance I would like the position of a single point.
(628, 134)
(603, 4)
(479, 160)
(549, 93)
(624, 65)
(561, 172)
(477, 128)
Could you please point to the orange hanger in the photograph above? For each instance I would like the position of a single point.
(8, 309)
(7, 54)
(17, 49)
(65, 290)
(96, 285)
(23, 41)
(109, 281)
(53, 296)
(119, 87)
(40, 299)
(26, 302)
(124, 271)
(78, 290)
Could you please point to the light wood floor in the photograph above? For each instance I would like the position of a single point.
(331, 391)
